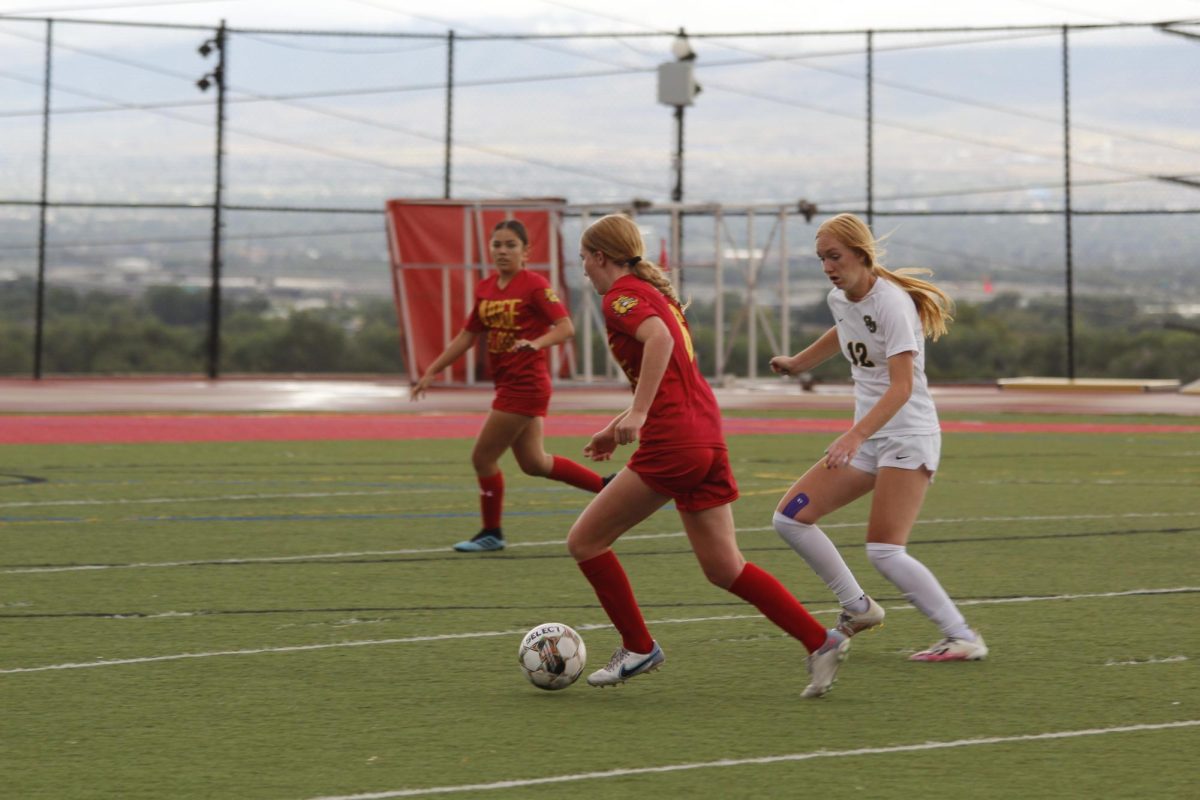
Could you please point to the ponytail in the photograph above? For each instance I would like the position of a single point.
(934, 307)
(652, 274)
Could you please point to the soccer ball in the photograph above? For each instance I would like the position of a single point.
(552, 656)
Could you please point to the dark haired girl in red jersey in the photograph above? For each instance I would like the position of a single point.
(681, 456)
(522, 316)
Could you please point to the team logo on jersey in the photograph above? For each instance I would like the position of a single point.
(870, 323)
(623, 305)
(551, 297)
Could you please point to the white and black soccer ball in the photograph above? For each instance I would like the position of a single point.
(552, 656)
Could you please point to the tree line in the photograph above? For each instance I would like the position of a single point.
(164, 331)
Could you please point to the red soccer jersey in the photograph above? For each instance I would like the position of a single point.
(524, 309)
(684, 412)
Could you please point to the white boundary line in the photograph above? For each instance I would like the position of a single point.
(401, 490)
(123, 501)
(593, 626)
(781, 759)
(562, 543)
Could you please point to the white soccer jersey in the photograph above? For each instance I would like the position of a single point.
(883, 324)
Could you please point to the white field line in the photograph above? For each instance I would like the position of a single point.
(562, 543)
(1141, 661)
(122, 501)
(780, 759)
(221, 499)
(587, 627)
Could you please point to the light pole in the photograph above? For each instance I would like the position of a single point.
(677, 87)
(216, 77)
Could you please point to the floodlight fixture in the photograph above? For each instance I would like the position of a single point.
(681, 48)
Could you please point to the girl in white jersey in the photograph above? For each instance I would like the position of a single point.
(881, 321)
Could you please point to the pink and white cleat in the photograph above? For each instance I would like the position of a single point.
(953, 649)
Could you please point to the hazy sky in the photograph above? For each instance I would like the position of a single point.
(573, 15)
(970, 121)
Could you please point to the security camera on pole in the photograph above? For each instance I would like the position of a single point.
(677, 87)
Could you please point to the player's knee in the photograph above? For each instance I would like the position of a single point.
(579, 546)
(718, 575)
(786, 527)
(880, 555)
(536, 467)
(575, 547)
(721, 571)
(798, 509)
(484, 463)
(790, 530)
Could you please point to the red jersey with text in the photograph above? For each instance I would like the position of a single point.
(524, 309)
(684, 412)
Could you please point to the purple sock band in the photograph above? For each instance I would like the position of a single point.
(795, 504)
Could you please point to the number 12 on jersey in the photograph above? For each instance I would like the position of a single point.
(857, 352)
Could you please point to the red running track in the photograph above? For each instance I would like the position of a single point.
(103, 429)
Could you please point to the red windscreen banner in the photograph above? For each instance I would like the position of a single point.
(439, 252)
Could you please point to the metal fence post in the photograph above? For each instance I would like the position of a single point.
(1069, 255)
(214, 296)
(449, 113)
(870, 128)
(40, 310)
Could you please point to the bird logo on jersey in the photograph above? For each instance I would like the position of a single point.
(623, 305)
(870, 323)
(551, 297)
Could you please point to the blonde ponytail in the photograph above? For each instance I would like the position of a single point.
(653, 274)
(934, 307)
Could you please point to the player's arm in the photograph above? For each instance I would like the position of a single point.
(820, 351)
(658, 345)
(458, 346)
(900, 384)
(560, 330)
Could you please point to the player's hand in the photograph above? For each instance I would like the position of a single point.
(629, 428)
(783, 365)
(419, 388)
(602, 445)
(523, 345)
(843, 450)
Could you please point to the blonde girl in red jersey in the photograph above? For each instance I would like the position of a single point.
(522, 316)
(681, 456)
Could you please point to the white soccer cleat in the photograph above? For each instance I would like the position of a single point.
(823, 664)
(626, 664)
(952, 649)
(851, 623)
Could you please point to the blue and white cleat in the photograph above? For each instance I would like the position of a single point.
(626, 664)
(823, 664)
(480, 544)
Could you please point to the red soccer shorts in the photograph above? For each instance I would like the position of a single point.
(525, 405)
(695, 478)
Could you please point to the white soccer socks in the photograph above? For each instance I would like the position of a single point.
(820, 553)
(920, 587)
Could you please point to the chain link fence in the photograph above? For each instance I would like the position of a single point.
(1049, 176)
